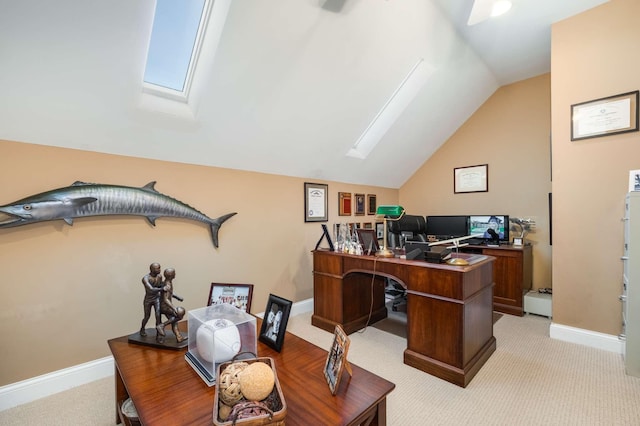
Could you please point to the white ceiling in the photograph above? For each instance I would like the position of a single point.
(291, 87)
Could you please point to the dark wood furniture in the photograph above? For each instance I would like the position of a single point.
(449, 308)
(512, 274)
(167, 391)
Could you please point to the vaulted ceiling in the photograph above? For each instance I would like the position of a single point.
(287, 88)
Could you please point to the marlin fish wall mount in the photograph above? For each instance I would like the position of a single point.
(91, 199)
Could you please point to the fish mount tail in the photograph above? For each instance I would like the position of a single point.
(215, 227)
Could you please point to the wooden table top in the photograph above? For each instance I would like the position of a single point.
(167, 391)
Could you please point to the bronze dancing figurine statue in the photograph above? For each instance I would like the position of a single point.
(173, 314)
(159, 295)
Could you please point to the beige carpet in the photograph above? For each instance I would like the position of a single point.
(529, 380)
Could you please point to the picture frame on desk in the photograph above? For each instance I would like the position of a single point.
(274, 323)
(238, 295)
(369, 241)
(336, 361)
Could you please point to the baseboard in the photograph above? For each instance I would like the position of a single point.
(51, 383)
(584, 337)
(297, 308)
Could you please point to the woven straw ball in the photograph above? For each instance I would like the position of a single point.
(229, 385)
(256, 381)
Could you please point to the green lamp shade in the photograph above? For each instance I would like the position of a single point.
(391, 211)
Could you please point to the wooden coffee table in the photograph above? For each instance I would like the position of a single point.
(167, 391)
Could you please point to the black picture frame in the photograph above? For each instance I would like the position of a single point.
(238, 295)
(316, 202)
(471, 179)
(325, 234)
(372, 204)
(276, 316)
(369, 240)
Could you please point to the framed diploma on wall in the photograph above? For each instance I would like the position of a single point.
(605, 116)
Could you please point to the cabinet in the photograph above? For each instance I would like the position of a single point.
(630, 297)
(512, 275)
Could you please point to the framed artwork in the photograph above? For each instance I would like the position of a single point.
(605, 116)
(367, 225)
(274, 323)
(344, 199)
(371, 204)
(368, 240)
(238, 295)
(337, 359)
(471, 179)
(360, 201)
(316, 203)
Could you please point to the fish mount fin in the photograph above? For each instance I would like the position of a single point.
(215, 227)
(152, 220)
(69, 220)
(83, 201)
(80, 183)
(150, 187)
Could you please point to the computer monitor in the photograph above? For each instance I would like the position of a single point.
(482, 224)
(445, 227)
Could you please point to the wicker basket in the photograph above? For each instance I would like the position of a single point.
(276, 417)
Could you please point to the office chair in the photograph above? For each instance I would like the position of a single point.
(398, 292)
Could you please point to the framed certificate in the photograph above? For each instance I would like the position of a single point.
(316, 204)
(605, 116)
(471, 179)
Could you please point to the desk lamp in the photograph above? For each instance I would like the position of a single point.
(389, 213)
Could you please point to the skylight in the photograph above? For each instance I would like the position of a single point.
(178, 29)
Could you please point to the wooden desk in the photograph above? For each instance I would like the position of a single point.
(512, 275)
(449, 308)
(167, 391)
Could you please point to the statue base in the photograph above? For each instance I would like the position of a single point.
(170, 341)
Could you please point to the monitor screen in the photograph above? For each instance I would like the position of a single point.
(445, 227)
(480, 225)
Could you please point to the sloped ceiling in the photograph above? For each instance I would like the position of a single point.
(288, 89)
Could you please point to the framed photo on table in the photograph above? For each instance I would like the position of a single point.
(471, 179)
(274, 323)
(316, 203)
(337, 360)
(238, 295)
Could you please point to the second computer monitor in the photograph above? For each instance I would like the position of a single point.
(445, 227)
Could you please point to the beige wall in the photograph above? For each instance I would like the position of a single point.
(509, 132)
(67, 289)
(594, 55)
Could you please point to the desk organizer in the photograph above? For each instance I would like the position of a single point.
(275, 401)
(217, 333)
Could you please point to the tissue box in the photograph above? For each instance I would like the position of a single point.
(217, 333)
